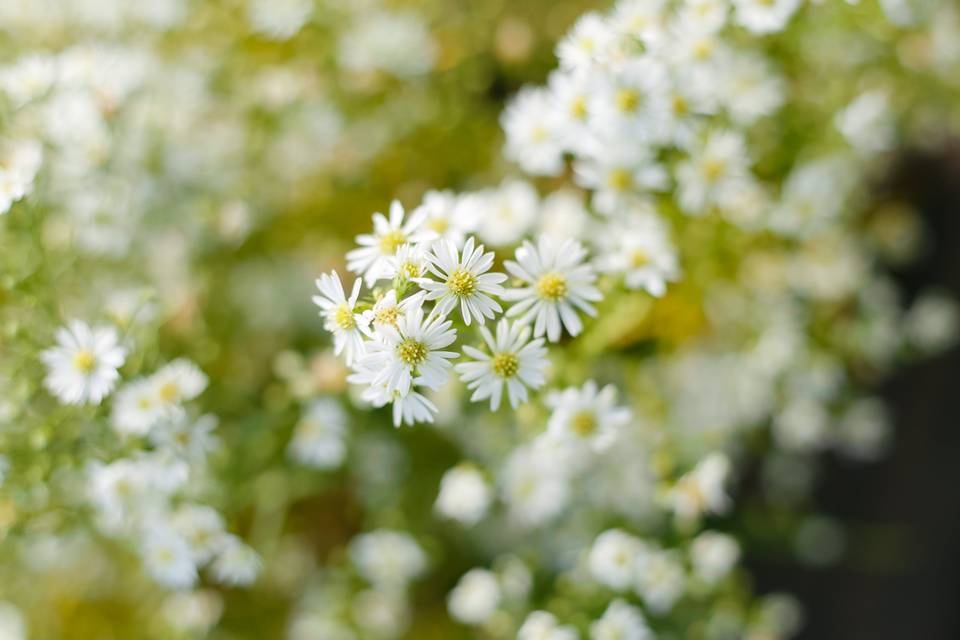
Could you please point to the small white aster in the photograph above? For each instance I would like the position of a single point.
(237, 564)
(372, 257)
(588, 414)
(169, 559)
(463, 278)
(319, 437)
(340, 318)
(557, 281)
(178, 382)
(410, 353)
(83, 366)
(639, 249)
(136, 407)
(621, 621)
(514, 361)
(445, 218)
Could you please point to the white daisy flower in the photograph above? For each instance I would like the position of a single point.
(534, 132)
(541, 625)
(410, 353)
(407, 264)
(202, 528)
(412, 408)
(514, 362)
(464, 495)
(319, 439)
(714, 173)
(621, 621)
(388, 558)
(557, 281)
(702, 489)
(386, 311)
(340, 318)
(639, 248)
(408, 408)
(444, 218)
(713, 555)
(169, 559)
(765, 16)
(463, 279)
(661, 579)
(587, 414)
(585, 43)
(505, 213)
(371, 259)
(136, 408)
(83, 366)
(619, 172)
(236, 564)
(612, 558)
(178, 382)
(475, 598)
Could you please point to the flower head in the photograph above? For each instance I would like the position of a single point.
(83, 366)
(514, 362)
(340, 316)
(371, 259)
(557, 282)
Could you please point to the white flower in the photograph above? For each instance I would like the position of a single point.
(541, 625)
(475, 598)
(713, 555)
(83, 366)
(630, 103)
(587, 414)
(765, 16)
(410, 353)
(705, 16)
(505, 213)
(411, 408)
(702, 490)
(387, 558)
(407, 264)
(514, 362)
(373, 257)
(178, 382)
(136, 407)
(319, 437)
(612, 558)
(463, 281)
(12, 623)
(638, 248)
(714, 173)
(464, 495)
(278, 19)
(557, 282)
(186, 438)
(236, 564)
(28, 78)
(620, 172)
(393, 42)
(534, 485)
(621, 621)
(660, 579)
(340, 318)
(749, 88)
(445, 218)
(933, 322)
(408, 408)
(169, 560)
(534, 132)
(867, 122)
(585, 43)
(202, 528)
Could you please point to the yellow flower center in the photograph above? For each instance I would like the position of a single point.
(583, 423)
(619, 180)
(144, 403)
(461, 282)
(391, 241)
(387, 315)
(505, 365)
(680, 106)
(84, 361)
(169, 392)
(409, 270)
(639, 258)
(412, 352)
(539, 133)
(343, 316)
(440, 225)
(702, 49)
(628, 100)
(578, 108)
(713, 168)
(552, 286)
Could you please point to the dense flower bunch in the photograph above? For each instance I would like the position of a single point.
(668, 114)
(689, 281)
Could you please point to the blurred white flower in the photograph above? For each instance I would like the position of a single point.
(587, 414)
(319, 438)
(713, 555)
(621, 621)
(541, 625)
(82, 368)
(464, 495)
(613, 557)
(475, 598)
(388, 558)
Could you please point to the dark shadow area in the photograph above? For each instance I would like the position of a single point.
(900, 577)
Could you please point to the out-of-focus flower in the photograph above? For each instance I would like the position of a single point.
(83, 366)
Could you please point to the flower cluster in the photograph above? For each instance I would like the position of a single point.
(441, 287)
